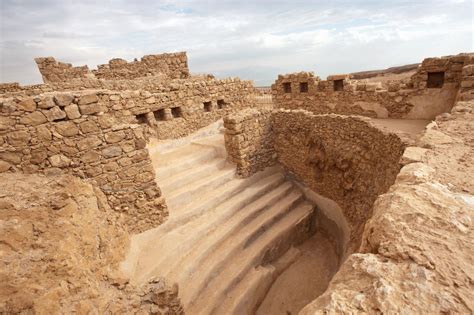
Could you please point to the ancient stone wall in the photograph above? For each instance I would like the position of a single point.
(101, 135)
(342, 158)
(165, 66)
(420, 97)
(339, 157)
(56, 71)
(82, 134)
(171, 66)
(249, 140)
(416, 251)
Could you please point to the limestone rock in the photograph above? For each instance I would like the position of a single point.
(28, 105)
(34, 119)
(63, 100)
(112, 151)
(59, 160)
(55, 113)
(88, 99)
(4, 166)
(67, 128)
(72, 111)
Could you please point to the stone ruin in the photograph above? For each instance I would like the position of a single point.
(126, 165)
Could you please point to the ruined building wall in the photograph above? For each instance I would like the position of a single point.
(81, 134)
(101, 135)
(342, 158)
(166, 66)
(171, 66)
(416, 250)
(249, 140)
(413, 99)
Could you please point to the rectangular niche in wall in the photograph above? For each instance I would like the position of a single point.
(339, 85)
(220, 104)
(435, 80)
(304, 87)
(287, 87)
(141, 118)
(159, 115)
(207, 106)
(176, 112)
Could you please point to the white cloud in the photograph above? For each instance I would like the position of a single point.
(251, 39)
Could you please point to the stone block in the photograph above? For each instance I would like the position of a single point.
(89, 143)
(114, 137)
(90, 157)
(67, 128)
(28, 105)
(55, 113)
(34, 119)
(63, 100)
(88, 99)
(18, 138)
(72, 111)
(88, 127)
(90, 109)
(112, 151)
(4, 166)
(59, 160)
(46, 103)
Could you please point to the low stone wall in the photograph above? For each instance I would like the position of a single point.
(342, 158)
(81, 134)
(169, 66)
(420, 97)
(249, 140)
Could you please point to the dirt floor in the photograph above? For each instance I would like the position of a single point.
(306, 279)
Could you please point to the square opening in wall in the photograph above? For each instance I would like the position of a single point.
(141, 118)
(176, 112)
(159, 114)
(435, 80)
(339, 85)
(220, 104)
(304, 87)
(207, 106)
(287, 87)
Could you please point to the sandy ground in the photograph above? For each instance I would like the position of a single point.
(307, 278)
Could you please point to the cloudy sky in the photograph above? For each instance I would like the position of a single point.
(251, 39)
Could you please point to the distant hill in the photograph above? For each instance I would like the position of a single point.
(393, 70)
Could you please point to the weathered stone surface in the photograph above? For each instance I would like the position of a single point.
(34, 119)
(114, 137)
(55, 113)
(112, 151)
(72, 111)
(28, 105)
(18, 138)
(59, 160)
(4, 166)
(88, 127)
(67, 128)
(88, 99)
(63, 100)
(46, 103)
(90, 109)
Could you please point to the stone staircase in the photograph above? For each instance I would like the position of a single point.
(226, 239)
